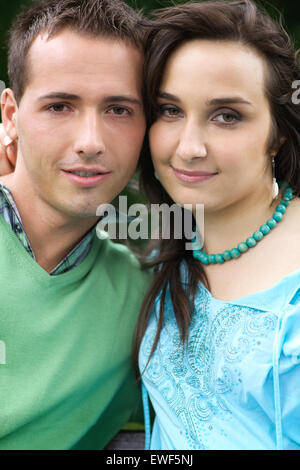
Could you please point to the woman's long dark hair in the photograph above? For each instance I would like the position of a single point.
(238, 21)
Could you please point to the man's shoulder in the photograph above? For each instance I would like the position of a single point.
(116, 252)
(118, 256)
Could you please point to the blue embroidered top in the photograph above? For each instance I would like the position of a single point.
(237, 383)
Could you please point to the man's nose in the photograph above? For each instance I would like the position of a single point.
(192, 144)
(90, 136)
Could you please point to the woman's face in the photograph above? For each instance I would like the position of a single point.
(209, 142)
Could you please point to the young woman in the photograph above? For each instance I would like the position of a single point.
(219, 334)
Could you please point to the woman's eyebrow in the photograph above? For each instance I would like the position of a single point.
(227, 100)
(168, 96)
(213, 102)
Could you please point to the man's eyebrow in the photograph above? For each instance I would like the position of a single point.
(59, 95)
(121, 99)
(227, 100)
(107, 99)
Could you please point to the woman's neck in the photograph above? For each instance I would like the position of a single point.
(225, 228)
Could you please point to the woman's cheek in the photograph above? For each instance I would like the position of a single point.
(162, 142)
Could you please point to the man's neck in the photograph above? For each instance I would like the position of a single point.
(52, 235)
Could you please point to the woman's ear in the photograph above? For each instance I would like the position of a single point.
(9, 109)
(281, 142)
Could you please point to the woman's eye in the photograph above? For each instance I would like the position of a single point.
(226, 118)
(170, 111)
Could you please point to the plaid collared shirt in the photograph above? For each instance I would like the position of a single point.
(9, 211)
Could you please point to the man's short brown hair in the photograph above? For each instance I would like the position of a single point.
(106, 18)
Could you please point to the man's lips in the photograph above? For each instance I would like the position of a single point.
(85, 169)
(189, 176)
(85, 176)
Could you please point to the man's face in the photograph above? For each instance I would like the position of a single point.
(80, 122)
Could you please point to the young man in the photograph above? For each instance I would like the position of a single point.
(69, 301)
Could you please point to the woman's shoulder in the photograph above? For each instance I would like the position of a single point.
(290, 229)
(275, 259)
(294, 210)
(286, 237)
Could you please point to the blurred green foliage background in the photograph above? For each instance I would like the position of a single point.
(8, 10)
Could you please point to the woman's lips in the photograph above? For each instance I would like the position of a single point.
(192, 176)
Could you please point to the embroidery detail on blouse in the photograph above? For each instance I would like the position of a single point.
(197, 381)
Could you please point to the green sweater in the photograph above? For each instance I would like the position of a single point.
(66, 379)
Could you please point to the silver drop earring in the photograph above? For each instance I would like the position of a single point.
(156, 175)
(275, 188)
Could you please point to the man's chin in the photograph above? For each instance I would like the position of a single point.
(80, 211)
(83, 214)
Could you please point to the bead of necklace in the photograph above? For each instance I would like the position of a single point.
(252, 241)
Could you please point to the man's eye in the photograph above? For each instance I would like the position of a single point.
(58, 108)
(119, 111)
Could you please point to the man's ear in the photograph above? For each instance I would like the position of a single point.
(9, 109)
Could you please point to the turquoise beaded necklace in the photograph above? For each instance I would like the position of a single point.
(251, 241)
